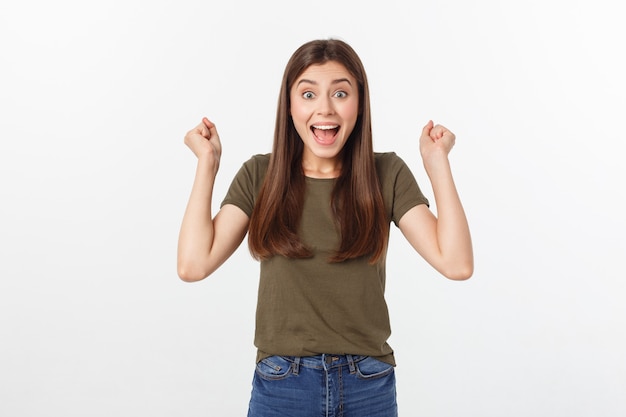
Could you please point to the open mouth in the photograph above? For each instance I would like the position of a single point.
(325, 134)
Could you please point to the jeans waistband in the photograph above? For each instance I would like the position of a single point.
(324, 361)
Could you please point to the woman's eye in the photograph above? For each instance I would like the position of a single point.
(308, 95)
(341, 94)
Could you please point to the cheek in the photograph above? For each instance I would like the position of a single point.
(296, 112)
(351, 113)
(298, 120)
(351, 110)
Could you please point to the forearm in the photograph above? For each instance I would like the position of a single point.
(453, 235)
(197, 231)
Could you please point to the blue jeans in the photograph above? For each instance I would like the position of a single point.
(323, 386)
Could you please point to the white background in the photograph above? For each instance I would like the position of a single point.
(96, 98)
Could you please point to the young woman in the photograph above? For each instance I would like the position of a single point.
(317, 211)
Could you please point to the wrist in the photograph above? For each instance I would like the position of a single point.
(208, 165)
(435, 160)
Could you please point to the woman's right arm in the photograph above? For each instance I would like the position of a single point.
(205, 242)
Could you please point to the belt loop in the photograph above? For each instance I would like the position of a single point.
(296, 365)
(351, 364)
(325, 361)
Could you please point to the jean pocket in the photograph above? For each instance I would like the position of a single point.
(371, 368)
(274, 367)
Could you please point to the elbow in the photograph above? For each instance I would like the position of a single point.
(460, 276)
(188, 273)
(460, 272)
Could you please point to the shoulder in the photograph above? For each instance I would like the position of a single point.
(256, 166)
(386, 159)
(393, 172)
(388, 164)
(258, 161)
(247, 182)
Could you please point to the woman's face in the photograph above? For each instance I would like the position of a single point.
(324, 109)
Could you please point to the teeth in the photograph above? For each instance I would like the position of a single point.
(325, 127)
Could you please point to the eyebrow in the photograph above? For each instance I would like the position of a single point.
(337, 81)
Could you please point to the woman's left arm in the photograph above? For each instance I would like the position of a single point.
(444, 240)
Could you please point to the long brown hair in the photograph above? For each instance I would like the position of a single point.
(357, 200)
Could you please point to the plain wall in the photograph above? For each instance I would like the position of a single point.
(94, 177)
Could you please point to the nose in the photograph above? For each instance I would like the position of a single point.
(326, 106)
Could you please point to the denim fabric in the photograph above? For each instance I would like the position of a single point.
(323, 386)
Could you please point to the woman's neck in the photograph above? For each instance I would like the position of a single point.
(321, 171)
(321, 167)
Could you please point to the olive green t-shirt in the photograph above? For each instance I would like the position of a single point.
(310, 306)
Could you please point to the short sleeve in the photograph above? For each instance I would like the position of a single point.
(246, 184)
(400, 189)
